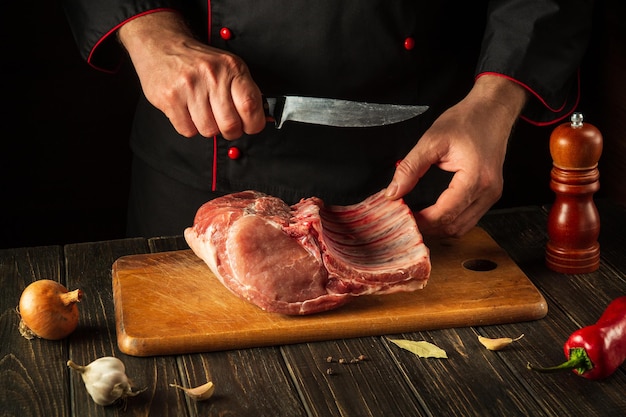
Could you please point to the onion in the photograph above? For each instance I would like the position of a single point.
(48, 310)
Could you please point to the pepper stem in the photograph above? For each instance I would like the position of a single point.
(578, 361)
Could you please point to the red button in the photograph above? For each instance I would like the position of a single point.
(234, 152)
(409, 43)
(226, 34)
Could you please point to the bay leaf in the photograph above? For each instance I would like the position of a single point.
(421, 348)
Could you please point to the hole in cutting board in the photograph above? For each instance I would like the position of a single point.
(479, 265)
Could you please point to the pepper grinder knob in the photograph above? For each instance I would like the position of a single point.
(573, 221)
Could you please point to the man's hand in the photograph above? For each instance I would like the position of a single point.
(199, 88)
(470, 140)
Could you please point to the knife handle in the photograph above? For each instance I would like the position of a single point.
(266, 108)
(273, 108)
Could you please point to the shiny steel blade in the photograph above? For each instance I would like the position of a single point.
(339, 113)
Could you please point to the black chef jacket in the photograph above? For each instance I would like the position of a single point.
(407, 52)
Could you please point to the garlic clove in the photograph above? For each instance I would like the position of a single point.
(497, 344)
(199, 393)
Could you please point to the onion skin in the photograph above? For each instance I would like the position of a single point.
(48, 310)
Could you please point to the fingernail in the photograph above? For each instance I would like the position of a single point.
(392, 189)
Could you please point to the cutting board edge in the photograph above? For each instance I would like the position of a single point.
(150, 346)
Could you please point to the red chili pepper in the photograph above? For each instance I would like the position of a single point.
(596, 351)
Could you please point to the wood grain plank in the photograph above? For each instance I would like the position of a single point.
(33, 376)
(369, 387)
(89, 268)
(612, 237)
(557, 394)
(248, 383)
(472, 381)
(167, 243)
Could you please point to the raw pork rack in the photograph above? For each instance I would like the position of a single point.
(309, 258)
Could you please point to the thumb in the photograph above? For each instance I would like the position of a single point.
(408, 172)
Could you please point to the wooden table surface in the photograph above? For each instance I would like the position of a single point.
(291, 380)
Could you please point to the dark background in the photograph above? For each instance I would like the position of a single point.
(64, 156)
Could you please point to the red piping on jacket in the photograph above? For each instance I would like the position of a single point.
(534, 93)
(214, 169)
(208, 7)
(111, 32)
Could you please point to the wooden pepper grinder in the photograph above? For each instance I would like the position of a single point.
(574, 222)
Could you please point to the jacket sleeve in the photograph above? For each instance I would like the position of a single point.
(539, 44)
(94, 24)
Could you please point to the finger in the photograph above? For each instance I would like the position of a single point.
(411, 169)
(460, 206)
(460, 226)
(201, 114)
(226, 116)
(448, 215)
(181, 119)
(249, 104)
(469, 217)
(466, 220)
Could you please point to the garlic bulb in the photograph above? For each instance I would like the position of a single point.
(105, 380)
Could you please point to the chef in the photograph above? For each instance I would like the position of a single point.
(200, 130)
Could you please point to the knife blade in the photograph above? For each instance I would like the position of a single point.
(336, 112)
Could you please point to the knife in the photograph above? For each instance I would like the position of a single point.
(335, 112)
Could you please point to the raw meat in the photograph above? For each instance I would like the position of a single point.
(309, 258)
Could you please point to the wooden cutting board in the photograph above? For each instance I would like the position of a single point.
(171, 303)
